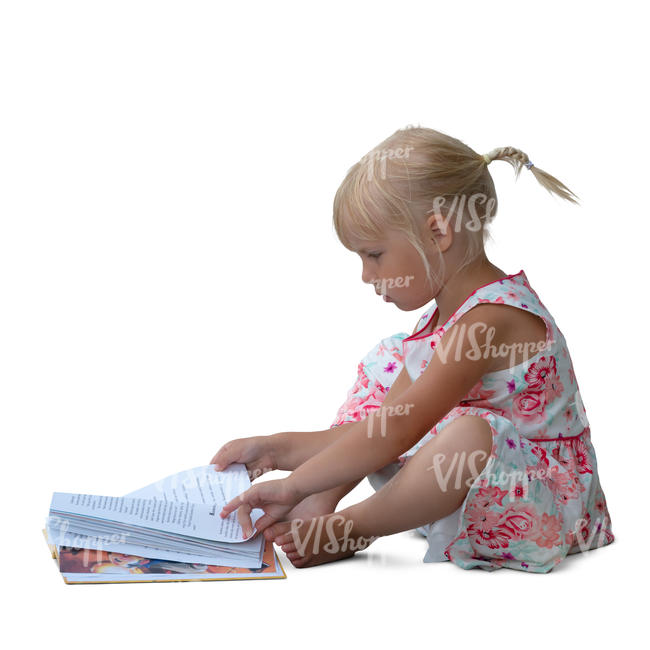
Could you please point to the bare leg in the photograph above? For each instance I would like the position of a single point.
(432, 485)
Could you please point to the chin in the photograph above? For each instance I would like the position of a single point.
(402, 307)
(414, 306)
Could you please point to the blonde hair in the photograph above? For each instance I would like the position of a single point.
(395, 185)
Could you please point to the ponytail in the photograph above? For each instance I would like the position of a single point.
(518, 159)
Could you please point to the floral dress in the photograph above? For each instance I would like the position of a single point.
(539, 496)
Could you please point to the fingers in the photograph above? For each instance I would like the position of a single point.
(256, 469)
(226, 455)
(244, 518)
(279, 528)
(232, 505)
(264, 522)
(269, 494)
(251, 497)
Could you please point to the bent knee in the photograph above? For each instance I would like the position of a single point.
(469, 431)
(462, 447)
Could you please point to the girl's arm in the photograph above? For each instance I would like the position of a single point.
(293, 448)
(457, 366)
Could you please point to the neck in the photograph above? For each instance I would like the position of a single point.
(462, 284)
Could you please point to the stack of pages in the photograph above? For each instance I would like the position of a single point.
(169, 530)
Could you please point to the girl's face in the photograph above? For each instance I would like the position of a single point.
(396, 270)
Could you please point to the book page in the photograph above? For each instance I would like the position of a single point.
(202, 485)
(187, 503)
(199, 485)
(191, 519)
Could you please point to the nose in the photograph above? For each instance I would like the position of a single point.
(366, 277)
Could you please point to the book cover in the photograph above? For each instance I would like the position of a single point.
(89, 566)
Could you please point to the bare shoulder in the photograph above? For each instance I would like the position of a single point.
(517, 332)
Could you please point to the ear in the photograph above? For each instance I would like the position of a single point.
(440, 229)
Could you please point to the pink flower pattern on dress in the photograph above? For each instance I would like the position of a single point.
(529, 406)
(539, 497)
(520, 519)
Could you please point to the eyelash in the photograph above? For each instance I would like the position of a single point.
(375, 255)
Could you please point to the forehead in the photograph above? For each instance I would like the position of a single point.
(361, 244)
(365, 245)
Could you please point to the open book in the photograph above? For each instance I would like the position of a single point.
(173, 521)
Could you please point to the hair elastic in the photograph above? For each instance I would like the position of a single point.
(488, 160)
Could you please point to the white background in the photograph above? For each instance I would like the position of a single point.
(171, 279)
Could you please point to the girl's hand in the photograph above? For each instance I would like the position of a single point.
(275, 498)
(258, 453)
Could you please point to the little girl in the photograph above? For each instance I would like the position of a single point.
(471, 430)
